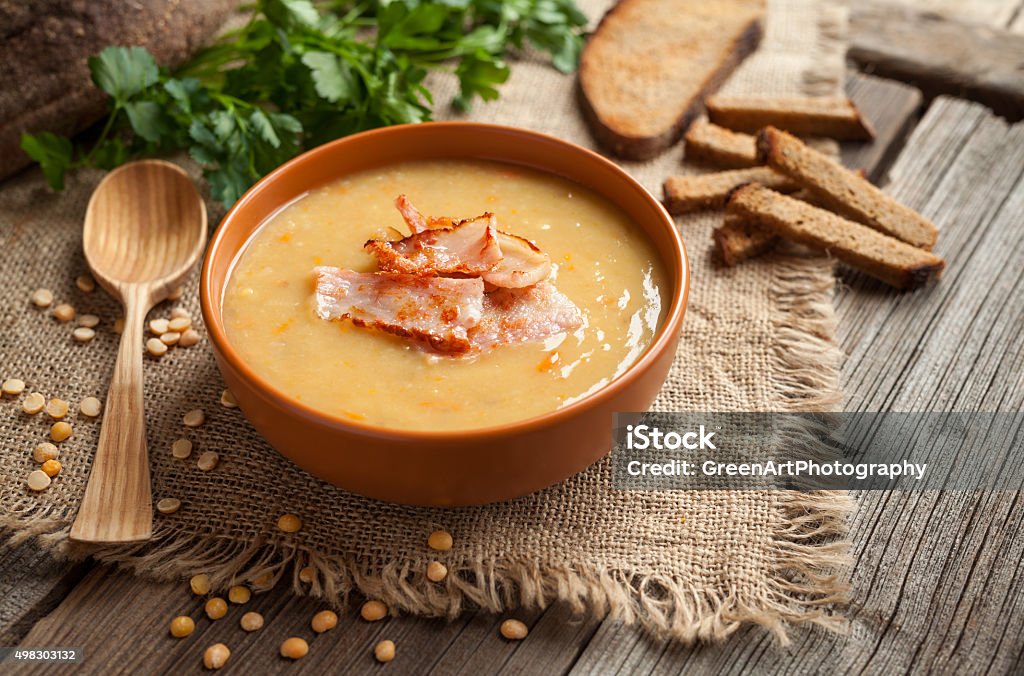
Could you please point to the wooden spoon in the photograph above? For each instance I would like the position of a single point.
(144, 230)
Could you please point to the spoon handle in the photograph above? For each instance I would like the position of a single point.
(117, 506)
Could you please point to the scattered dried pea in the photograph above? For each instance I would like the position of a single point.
(34, 403)
(38, 480)
(60, 431)
(384, 651)
(170, 338)
(64, 313)
(179, 324)
(88, 321)
(323, 621)
(57, 408)
(239, 594)
(158, 326)
(182, 626)
(168, 505)
(436, 571)
(294, 648)
(85, 283)
(176, 293)
(52, 467)
(514, 630)
(194, 418)
(13, 386)
(373, 611)
(189, 338)
(216, 608)
(227, 399)
(216, 656)
(208, 461)
(42, 297)
(307, 575)
(180, 313)
(119, 325)
(90, 406)
(440, 540)
(155, 347)
(45, 451)
(200, 584)
(289, 523)
(181, 448)
(83, 335)
(251, 622)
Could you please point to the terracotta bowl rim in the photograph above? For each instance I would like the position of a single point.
(665, 338)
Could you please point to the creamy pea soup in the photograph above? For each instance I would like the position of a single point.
(604, 264)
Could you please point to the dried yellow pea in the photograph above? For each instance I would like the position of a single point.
(88, 321)
(436, 571)
(168, 505)
(83, 335)
(307, 575)
(227, 399)
(85, 283)
(180, 313)
(34, 403)
(384, 651)
(294, 648)
(176, 293)
(45, 451)
(42, 297)
(194, 418)
(208, 461)
(57, 408)
(181, 448)
(216, 608)
(119, 325)
(52, 467)
(182, 626)
(239, 594)
(216, 656)
(60, 431)
(170, 338)
(440, 540)
(373, 610)
(199, 584)
(155, 347)
(64, 313)
(289, 523)
(189, 338)
(90, 406)
(514, 630)
(251, 621)
(13, 386)
(158, 326)
(323, 621)
(38, 480)
(179, 324)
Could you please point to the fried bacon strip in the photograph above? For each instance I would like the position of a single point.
(512, 316)
(522, 263)
(468, 247)
(437, 310)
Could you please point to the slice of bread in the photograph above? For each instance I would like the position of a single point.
(708, 191)
(740, 237)
(706, 142)
(646, 68)
(835, 117)
(883, 257)
(842, 190)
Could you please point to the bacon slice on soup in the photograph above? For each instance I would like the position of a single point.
(437, 310)
(468, 247)
(522, 264)
(524, 315)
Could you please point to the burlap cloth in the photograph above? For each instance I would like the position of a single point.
(695, 565)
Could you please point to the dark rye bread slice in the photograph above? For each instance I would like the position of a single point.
(740, 238)
(710, 143)
(834, 117)
(647, 67)
(883, 257)
(842, 190)
(708, 191)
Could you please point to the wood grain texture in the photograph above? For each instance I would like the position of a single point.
(894, 109)
(144, 230)
(940, 55)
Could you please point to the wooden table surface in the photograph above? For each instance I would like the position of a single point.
(938, 577)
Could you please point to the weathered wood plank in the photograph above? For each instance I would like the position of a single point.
(991, 12)
(892, 108)
(939, 55)
(937, 576)
(32, 583)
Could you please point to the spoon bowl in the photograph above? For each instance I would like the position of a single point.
(145, 228)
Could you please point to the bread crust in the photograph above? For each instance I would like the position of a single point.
(629, 144)
(881, 256)
(707, 142)
(837, 118)
(684, 194)
(842, 190)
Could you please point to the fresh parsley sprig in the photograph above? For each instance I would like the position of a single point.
(294, 77)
